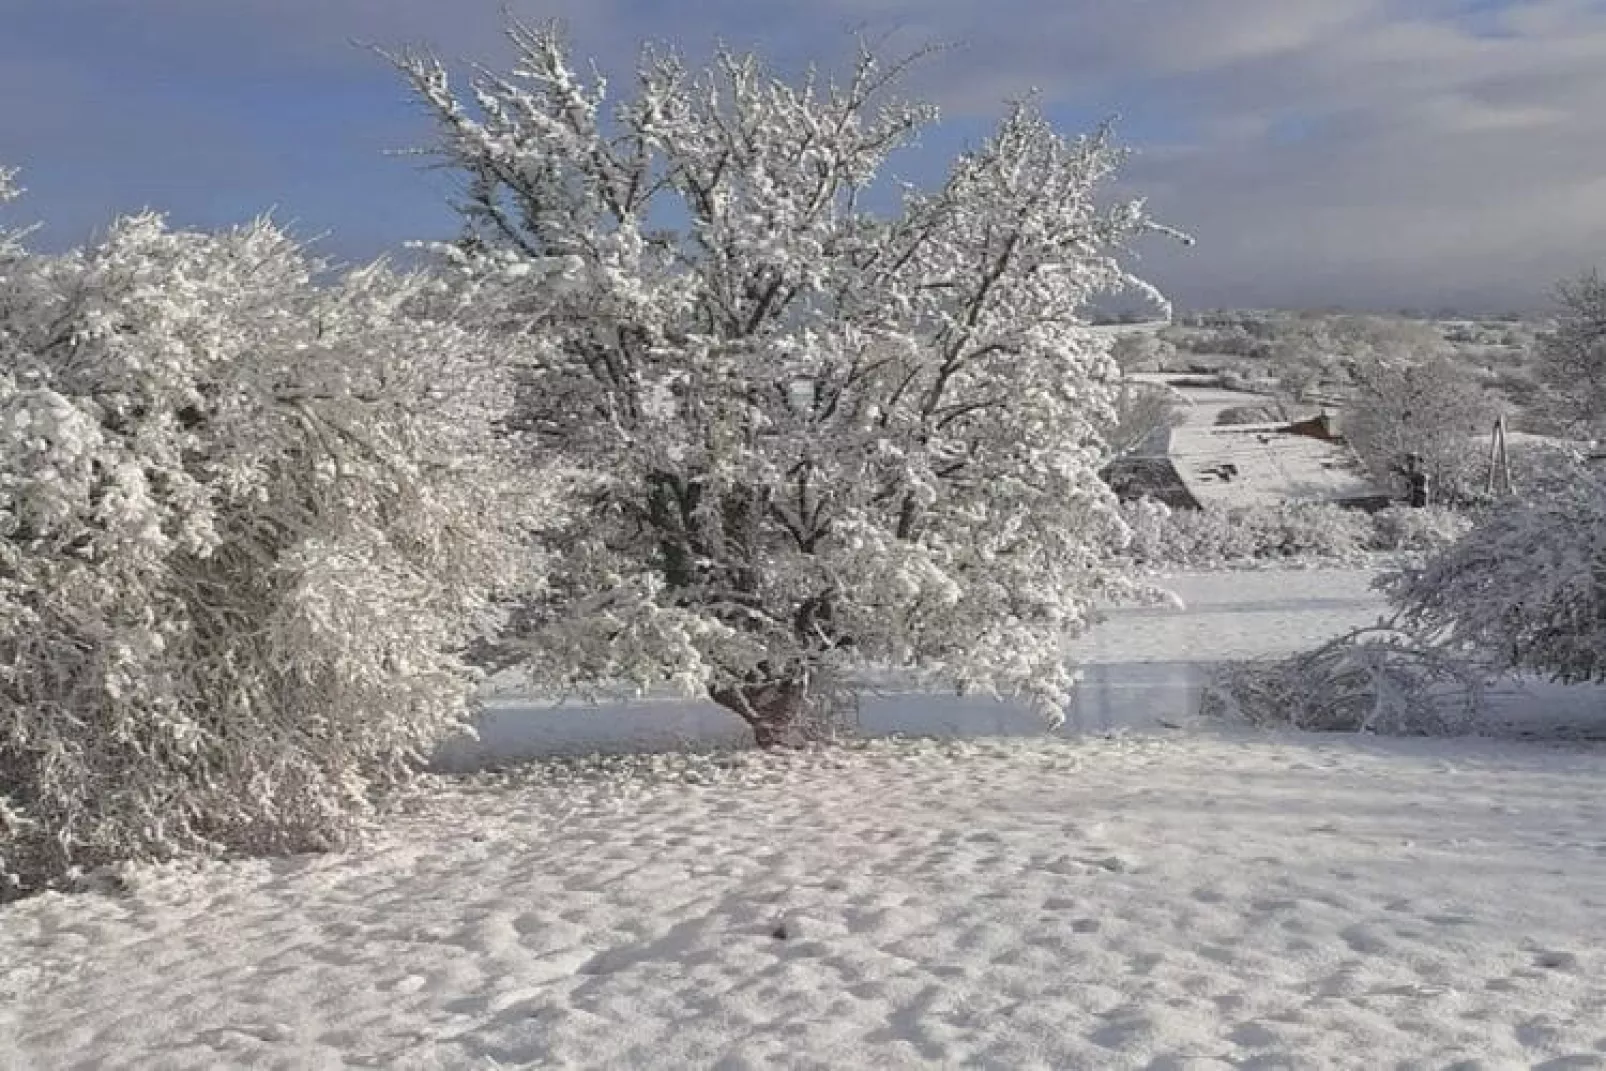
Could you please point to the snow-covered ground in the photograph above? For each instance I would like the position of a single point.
(1201, 407)
(1162, 899)
(1182, 901)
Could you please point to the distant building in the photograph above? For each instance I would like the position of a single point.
(1236, 465)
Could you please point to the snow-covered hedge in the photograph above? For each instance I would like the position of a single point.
(1162, 537)
(1206, 539)
(247, 521)
(1186, 538)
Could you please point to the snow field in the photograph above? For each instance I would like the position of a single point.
(1148, 900)
(1187, 901)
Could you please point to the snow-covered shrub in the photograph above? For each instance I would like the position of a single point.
(1542, 467)
(1417, 530)
(1162, 537)
(1304, 530)
(1209, 538)
(1378, 679)
(1525, 587)
(247, 522)
(1250, 414)
(819, 436)
(1149, 530)
(1249, 380)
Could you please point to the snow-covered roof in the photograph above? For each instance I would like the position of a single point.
(1264, 464)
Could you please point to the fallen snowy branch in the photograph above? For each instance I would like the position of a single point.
(1375, 679)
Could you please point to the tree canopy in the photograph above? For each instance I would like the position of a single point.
(816, 436)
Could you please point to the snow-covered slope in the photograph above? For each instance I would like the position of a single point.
(1143, 902)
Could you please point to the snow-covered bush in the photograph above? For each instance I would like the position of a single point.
(1269, 413)
(1543, 467)
(818, 435)
(1149, 530)
(1523, 588)
(1205, 539)
(1526, 587)
(247, 523)
(1417, 530)
(1377, 679)
(1212, 538)
(1142, 351)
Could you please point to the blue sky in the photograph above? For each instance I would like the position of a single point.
(1363, 153)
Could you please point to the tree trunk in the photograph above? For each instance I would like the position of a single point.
(773, 710)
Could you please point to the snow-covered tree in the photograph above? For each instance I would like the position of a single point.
(1143, 351)
(1526, 587)
(819, 436)
(9, 244)
(1424, 408)
(1321, 353)
(1572, 357)
(249, 518)
(1141, 411)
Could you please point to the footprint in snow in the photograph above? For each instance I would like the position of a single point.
(1115, 864)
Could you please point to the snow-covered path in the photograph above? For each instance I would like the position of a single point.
(1181, 901)
(1144, 666)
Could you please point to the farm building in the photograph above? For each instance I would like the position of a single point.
(1206, 461)
(1235, 465)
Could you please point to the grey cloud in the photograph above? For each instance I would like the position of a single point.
(1339, 152)
(1398, 213)
(1323, 151)
(1441, 168)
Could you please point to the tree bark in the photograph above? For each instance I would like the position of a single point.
(772, 709)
